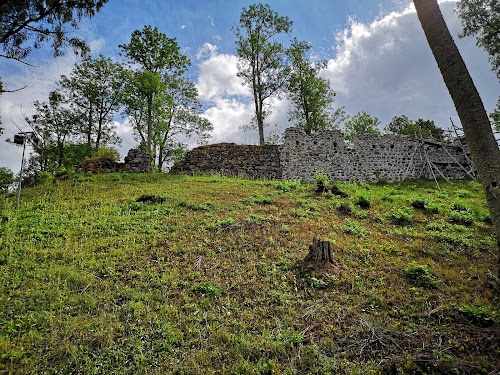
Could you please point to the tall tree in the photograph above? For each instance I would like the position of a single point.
(361, 122)
(93, 90)
(470, 108)
(420, 128)
(54, 125)
(26, 24)
(310, 95)
(150, 54)
(262, 56)
(181, 115)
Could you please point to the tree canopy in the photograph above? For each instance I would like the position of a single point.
(361, 122)
(28, 24)
(420, 128)
(262, 56)
(311, 96)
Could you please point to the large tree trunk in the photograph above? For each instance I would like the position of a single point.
(470, 108)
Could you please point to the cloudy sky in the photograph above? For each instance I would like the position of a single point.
(378, 62)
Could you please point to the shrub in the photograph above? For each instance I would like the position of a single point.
(418, 202)
(480, 315)
(6, 178)
(44, 177)
(354, 228)
(344, 208)
(421, 275)
(287, 185)
(208, 289)
(337, 191)
(363, 200)
(321, 180)
(459, 205)
(108, 153)
(402, 216)
(462, 217)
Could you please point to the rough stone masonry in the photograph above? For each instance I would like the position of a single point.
(367, 158)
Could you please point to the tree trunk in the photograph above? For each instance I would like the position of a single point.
(477, 128)
(149, 124)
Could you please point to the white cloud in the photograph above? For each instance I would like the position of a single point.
(387, 69)
(217, 75)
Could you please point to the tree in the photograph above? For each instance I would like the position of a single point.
(361, 122)
(262, 56)
(481, 18)
(54, 125)
(310, 95)
(153, 54)
(6, 179)
(477, 128)
(94, 90)
(28, 24)
(421, 128)
(181, 114)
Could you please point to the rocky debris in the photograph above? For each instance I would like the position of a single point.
(136, 161)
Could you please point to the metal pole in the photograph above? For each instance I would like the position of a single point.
(18, 198)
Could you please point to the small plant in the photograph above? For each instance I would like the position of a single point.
(287, 185)
(432, 208)
(418, 202)
(363, 200)
(421, 275)
(480, 315)
(317, 283)
(108, 153)
(45, 177)
(403, 215)
(335, 190)
(459, 205)
(354, 228)
(462, 217)
(321, 180)
(208, 289)
(344, 208)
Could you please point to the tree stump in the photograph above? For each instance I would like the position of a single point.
(320, 251)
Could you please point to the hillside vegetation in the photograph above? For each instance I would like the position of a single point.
(134, 274)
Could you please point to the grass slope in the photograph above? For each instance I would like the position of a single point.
(199, 275)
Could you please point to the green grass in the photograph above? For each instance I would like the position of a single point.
(153, 273)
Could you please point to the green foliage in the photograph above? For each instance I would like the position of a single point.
(420, 128)
(208, 289)
(418, 202)
(287, 185)
(480, 315)
(460, 213)
(403, 215)
(481, 18)
(311, 97)
(159, 101)
(6, 179)
(45, 177)
(361, 122)
(317, 283)
(420, 274)
(321, 180)
(363, 199)
(262, 57)
(352, 227)
(108, 153)
(26, 25)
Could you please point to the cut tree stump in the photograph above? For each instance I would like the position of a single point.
(320, 251)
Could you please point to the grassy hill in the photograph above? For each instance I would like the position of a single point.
(198, 275)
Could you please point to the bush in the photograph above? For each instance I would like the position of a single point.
(462, 217)
(321, 180)
(108, 153)
(6, 178)
(363, 200)
(352, 227)
(44, 177)
(418, 202)
(421, 275)
(402, 216)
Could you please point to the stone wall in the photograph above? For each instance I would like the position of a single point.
(232, 160)
(367, 158)
(136, 161)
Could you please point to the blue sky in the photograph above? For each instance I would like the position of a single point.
(378, 61)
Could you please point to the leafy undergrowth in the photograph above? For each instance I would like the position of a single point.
(207, 276)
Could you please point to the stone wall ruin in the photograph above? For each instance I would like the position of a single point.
(367, 158)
